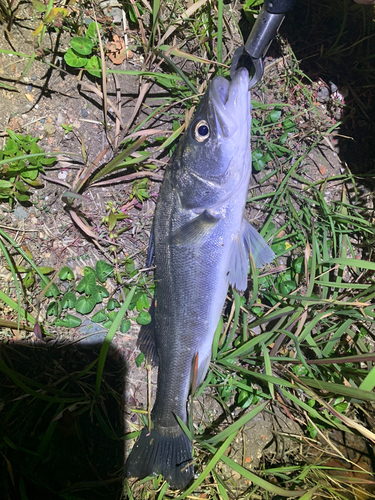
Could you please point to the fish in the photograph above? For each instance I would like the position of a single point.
(201, 244)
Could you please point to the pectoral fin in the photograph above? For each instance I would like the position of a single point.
(248, 242)
(195, 231)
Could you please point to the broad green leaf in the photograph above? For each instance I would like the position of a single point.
(39, 6)
(48, 161)
(29, 279)
(30, 173)
(142, 302)
(130, 266)
(289, 125)
(87, 284)
(66, 273)
(52, 291)
(74, 60)
(112, 315)
(287, 286)
(53, 309)
(69, 321)
(274, 115)
(21, 197)
(46, 270)
(112, 304)
(125, 326)
(144, 318)
(94, 66)
(139, 359)
(85, 305)
(21, 186)
(68, 301)
(81, 45)
(99, 317)
(5, 184)
(92, 31)
(103, 270)
(101, 292)
(35, 183)
(88, 270)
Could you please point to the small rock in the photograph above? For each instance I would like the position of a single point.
(33, 78)
(49, 129)
(84, 113)
(20, 213)
(29, 88)
(113, 9)
(334, 87)
(60, 119)
(323, 94)
(63, 174)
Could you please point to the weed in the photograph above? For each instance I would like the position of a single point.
(21, 160)
(83, 296)
(81, 53)
(67, 127)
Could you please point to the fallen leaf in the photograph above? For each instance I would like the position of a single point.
(116, 50)
(322, 170)
(30, 97)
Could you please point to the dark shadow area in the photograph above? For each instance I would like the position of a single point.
(334, 41)
(58, 440)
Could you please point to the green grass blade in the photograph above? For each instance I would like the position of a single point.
(233, 428)
(208, 468)
(267, 365)
(261, 483)
(108, 339)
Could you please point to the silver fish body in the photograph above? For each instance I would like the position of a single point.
(202, 245)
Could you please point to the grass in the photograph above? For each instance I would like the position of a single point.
(301, 343)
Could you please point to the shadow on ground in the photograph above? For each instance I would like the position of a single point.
(334, 41)
(57, 439)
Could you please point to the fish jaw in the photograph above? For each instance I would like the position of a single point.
(231, 105)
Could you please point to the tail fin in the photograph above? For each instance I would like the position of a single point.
(170, 456)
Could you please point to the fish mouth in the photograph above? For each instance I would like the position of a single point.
(231, 101)
(221, 90)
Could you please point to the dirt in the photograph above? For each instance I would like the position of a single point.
(44, 100)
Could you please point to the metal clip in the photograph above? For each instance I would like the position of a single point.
(251, 54)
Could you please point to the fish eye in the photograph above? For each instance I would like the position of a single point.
(201, 131)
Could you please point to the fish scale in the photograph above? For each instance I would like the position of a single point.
(202, 244)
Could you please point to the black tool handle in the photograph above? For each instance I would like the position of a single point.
(278, 6)
(265, 28)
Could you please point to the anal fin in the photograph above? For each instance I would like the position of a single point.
(146, 339)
